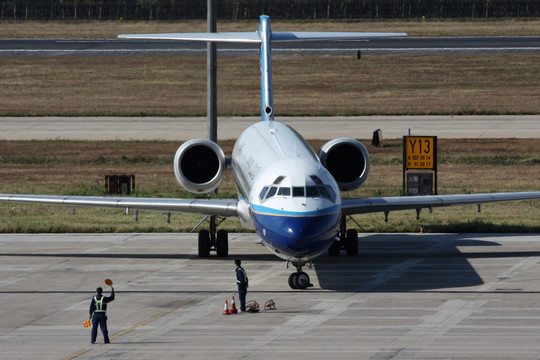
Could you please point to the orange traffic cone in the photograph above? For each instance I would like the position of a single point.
(226, 308)
(233, 309)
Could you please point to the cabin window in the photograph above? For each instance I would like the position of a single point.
(318, 190)
(316, 179)
(312, 191)
(263, 193)
(284, 191)
(322, 190)
(331, 193)
(298, 191)
(271, 192)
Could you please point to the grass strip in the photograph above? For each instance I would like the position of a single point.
(79, 168)
(303, 85)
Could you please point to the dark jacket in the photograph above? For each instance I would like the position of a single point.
(105, 299)
(241, 277)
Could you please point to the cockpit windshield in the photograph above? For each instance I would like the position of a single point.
(318, 190)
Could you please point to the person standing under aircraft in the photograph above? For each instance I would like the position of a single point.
(242, 282)
(98, 314)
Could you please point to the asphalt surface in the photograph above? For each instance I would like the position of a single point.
(409, 45)
(361, 127)
(407, 296)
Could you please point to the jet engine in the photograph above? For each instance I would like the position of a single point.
(199, 165)
(348, 162)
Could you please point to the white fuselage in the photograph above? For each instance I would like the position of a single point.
(288, 197)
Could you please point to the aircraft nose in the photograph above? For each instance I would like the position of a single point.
(299, 236)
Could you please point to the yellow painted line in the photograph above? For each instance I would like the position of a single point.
(78, 354)
(123, 332)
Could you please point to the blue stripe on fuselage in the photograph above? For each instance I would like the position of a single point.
(263, 210)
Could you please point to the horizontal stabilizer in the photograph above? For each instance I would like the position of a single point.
(253, 37)
(236, 37)
(291, 36)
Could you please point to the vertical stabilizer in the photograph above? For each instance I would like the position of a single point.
(267, 99)
(264, 37)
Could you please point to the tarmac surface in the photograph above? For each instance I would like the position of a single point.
(406, 296)
(186, 128)
(399, 45)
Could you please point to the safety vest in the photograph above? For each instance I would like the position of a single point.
(99, 305)
(244, 276)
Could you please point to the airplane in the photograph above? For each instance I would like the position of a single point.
(287, 193)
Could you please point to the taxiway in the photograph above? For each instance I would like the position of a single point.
(186, 128)
(407, 296)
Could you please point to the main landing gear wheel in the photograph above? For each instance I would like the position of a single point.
(204, 243)
(222, 243)
(348, 241)
(351, 242)
(299, 280)
(218, 242)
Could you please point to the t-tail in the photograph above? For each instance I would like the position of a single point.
(265, 37)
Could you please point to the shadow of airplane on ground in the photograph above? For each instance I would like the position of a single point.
(410, 262)
(386, 262)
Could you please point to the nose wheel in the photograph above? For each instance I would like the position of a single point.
(299, 280)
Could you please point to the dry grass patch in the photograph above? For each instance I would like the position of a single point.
(304, 85)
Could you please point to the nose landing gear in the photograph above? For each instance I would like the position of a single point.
(299, 279)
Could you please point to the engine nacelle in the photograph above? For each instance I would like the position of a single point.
(348, 162)
(199, 165)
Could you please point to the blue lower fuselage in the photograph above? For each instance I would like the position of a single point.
(296, 235)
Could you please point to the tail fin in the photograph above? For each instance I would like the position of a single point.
(265, 37)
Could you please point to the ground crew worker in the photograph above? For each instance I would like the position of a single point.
(98, 314)
(242, 282)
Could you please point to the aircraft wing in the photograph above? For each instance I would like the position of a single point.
(217, 207)
(387, 204)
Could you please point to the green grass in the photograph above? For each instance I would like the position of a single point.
(79, 168)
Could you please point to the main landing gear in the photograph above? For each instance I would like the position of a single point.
(348, 241)
(299, 279)
(213, 240)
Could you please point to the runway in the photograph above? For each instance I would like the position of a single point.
(186, 128)
(407, 296)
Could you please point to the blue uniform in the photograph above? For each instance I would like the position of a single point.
(242, 282)
(98, 311)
